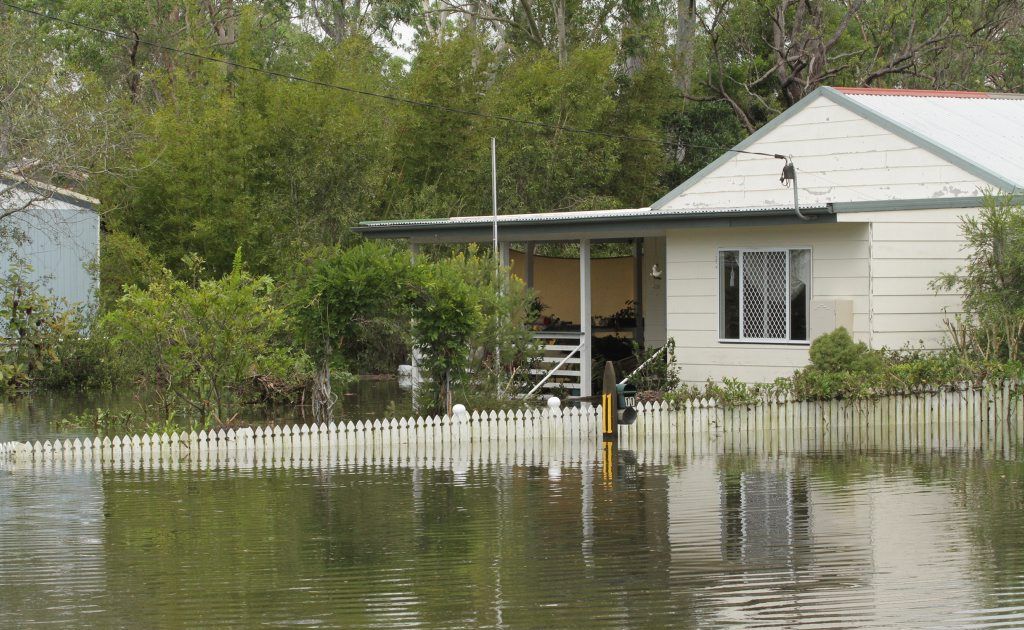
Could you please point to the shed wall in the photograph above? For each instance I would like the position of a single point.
(63, 245)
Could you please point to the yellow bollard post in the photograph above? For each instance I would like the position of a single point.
(610, 428)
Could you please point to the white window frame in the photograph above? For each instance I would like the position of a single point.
(789, 314)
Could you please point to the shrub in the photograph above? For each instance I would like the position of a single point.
(466, 319)
(199, 345)
(501, 347)
(348, 301)
(837, 352)
(46, 340)
(991, 327)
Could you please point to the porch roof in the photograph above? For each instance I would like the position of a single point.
(592, 224)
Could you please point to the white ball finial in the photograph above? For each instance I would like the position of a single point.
(554, 402)
(459, 410)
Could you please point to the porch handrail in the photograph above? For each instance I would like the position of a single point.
(556, 334)
(643, 365)
(553, 370)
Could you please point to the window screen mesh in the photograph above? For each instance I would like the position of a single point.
(765, 296)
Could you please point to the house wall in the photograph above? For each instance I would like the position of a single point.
(839, 155)
(840, 268)
(882, 261)
(909, 249)
(654, 294)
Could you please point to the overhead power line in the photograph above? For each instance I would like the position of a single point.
(387, 97)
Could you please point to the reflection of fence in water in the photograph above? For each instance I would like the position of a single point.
(987, 420)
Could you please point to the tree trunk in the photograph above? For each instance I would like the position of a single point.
(686, 19)
(563, 53)
(323, 399)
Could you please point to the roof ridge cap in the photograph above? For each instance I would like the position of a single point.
(964, 94)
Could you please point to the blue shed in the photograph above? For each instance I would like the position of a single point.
(56, 232)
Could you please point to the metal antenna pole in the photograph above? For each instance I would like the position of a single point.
(494, 195)
(494, 224)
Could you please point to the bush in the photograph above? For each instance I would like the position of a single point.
(837, 352)
(466, 319)
(346, 302)
(500, 346)
(83, 363)
(201, 346)
(46, 340)
(991, 327)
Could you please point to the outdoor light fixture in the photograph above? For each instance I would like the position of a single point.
(656, 272)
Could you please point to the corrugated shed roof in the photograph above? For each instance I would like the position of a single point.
(14, 179)
(983, 128)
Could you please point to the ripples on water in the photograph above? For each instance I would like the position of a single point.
(821, 540)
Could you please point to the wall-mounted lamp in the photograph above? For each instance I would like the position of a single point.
(656, 272)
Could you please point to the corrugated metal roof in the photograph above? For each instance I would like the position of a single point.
(986, 129)
(581, 216)
(70, 195)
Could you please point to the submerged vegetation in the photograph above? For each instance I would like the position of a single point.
(204, 349)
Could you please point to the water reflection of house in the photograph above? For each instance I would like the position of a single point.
(764, 542)
(752, 516)
(765, 516)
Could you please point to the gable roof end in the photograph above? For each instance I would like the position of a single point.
(980, 132)
(743, 144)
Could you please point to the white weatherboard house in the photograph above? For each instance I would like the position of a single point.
(727, 269)
(60, 232)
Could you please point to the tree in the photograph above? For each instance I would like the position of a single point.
(991, 282)
(56, 125)
(345, 299)
(765, 55)
(201, 345)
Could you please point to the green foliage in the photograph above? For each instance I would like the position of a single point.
(39, 332)
(837, 352)
(659, 375)
(471, 329)
(202, 345)
(991, 327)
(460, 313)
(125, 261)
(893, 371)
(83, 362)
(351, 307)
(446, 318)
(147, 420)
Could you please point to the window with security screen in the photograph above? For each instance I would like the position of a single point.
(764, 294)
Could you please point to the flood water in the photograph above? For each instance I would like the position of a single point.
(839, 538)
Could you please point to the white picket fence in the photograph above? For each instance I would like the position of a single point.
(987, 420)
(500, 436)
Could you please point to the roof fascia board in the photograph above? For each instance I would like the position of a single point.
(544, 231)
(940, 203)
(743, 145)
(925, 143)
(53, 192)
